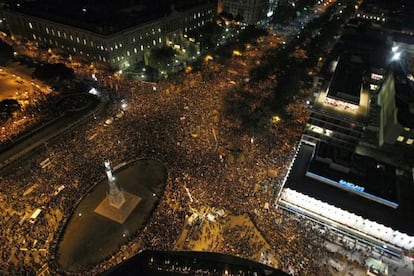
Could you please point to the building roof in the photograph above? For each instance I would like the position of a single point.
(102, 17)
(404, 99)
(345, 200)
(347, 80)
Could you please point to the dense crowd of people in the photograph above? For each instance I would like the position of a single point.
(180, 122)
(30, 114)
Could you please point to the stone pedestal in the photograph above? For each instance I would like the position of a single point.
(120, 215)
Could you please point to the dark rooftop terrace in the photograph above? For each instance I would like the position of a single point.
(347, 80)
(399, 219)
(101, 16)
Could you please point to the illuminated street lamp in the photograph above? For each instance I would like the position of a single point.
(124, 104)
(396, 56)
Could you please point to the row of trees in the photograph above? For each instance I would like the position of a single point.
(287, 12)
(288, 67)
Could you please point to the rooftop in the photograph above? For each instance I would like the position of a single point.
(404, 99)
(358, 205)
(102, 17)
(346, 82)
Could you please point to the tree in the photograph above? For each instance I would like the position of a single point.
(56, 71)
(207, 35)
(160, 57)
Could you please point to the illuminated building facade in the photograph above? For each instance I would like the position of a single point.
(339, 113)
(120, 46)
(251, 11)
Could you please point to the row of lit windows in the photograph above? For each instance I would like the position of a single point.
(84, 41)
(401, 139)
(75, 50)
(197, 15)
(372, 17)
(199, 24)
(153, 31)
(71, 37)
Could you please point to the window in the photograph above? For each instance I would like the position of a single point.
(84, 41)
(154, 42)
(30, 25)
(376, 76)
(58, 32)
(142, 48)
(34, 36)
(71, 37)
(410, 141)
(400, 138)
(135, 50)
(128, 53)
(77, 39)
(47, 30)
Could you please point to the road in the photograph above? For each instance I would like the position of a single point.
(24, 145)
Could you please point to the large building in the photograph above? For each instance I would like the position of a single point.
(250, 11)
(116, 34)
(364, 104)
(353, 168)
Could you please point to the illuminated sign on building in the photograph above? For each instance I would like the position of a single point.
(351, 185)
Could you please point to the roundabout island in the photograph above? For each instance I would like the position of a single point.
(91, 236)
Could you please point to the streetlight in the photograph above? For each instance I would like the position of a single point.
(124, 104)
(396, 56)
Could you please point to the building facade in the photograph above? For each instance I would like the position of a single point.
(120, 49)
(251, 11)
